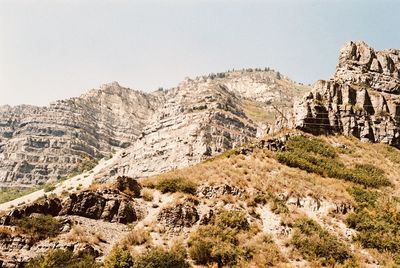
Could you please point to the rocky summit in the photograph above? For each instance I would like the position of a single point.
(362, 99)
(163, 130)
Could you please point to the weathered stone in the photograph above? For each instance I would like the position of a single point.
(179, 215)
(362, 99)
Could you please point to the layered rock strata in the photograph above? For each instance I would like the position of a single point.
(362, 99)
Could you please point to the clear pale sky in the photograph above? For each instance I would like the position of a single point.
(57, 49)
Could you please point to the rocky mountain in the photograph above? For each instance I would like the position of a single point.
(361, 99)
(163, 129)
(40, 143)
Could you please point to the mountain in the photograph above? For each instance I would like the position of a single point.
(164, 129)
(217, 172)
(362, 99)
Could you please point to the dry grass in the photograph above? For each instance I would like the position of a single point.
(260, 171)
(136, 237)
(147, 194)
(5, 232)
(80, 235)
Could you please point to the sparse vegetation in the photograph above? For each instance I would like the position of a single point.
(63, 259)
(39, 226)
(147, 194)
(136, 237)
(119, 257)
(9, 194)
(222, 242)
(179, 184)
(158, 257)
(316, 244)
(316, 156)
(377, 220)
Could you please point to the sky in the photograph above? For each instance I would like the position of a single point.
(53, 49)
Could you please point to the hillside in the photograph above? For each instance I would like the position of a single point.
(249, 207)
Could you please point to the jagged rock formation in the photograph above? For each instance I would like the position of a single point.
(362, 99)
(161, 130)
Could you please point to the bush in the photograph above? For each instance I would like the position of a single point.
(63, 259)
(214, 244)
(39, 227)
(363, 197)
(147, 195)
(377, 223)
(176, 185)
(263, 252)
(316, 244)
(278, 206)
(119, 258)
(316, 156)
(232, 219)
(137, 237)
(158, 257)
(218, 242)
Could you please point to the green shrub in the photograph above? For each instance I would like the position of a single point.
(313, 145)
(218, 242)
(278, 206)
(316, 244)
(48, 187)
(63, 259)
(176, 185)
(40, 226)
(378, 224)
(232, 219)
(119, 258)
(158, 257)
(363, 197)
(214, 244)
(316, 156)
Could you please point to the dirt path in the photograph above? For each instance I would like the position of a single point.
(70, 185)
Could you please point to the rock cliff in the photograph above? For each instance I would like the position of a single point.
(40, 143)
(361, 99)
(160, 130)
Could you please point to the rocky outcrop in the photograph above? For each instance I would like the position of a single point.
(109, 205)
(208, 191)
(361, 64)
(180, 215)
(362, 99)
(106, 204)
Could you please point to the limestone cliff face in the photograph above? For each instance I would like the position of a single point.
(362, 99)
(198, 120)
(39, 143)
(159, 131)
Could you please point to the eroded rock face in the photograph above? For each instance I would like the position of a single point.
(108, 204)
(178, 216)
(362, 99)
(198, 120)
(40, 143)
(361, 64)
(208, 191)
